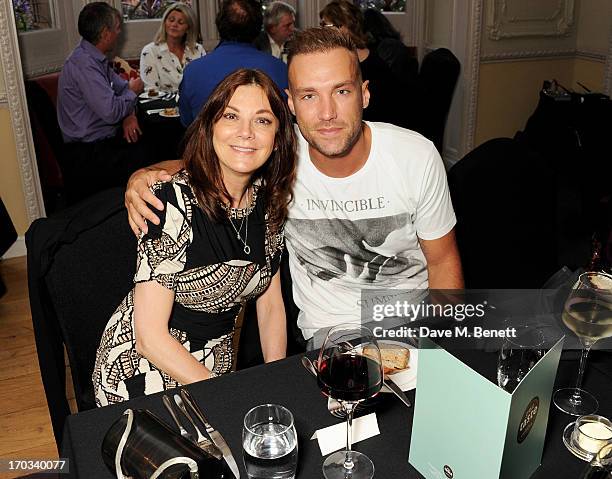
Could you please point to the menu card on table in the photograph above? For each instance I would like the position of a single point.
(466, 426)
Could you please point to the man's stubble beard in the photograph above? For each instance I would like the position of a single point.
(345, 148)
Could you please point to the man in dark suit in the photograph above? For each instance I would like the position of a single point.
(279, 25)
(238, 23)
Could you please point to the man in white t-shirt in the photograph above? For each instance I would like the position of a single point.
(372, 208)
(371, 205)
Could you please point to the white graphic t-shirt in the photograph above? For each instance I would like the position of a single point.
(361, 232)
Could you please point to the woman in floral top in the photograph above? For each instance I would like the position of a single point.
(162, 61)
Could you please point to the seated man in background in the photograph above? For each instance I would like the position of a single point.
(239, 22)
(279, 25)
(95, 109)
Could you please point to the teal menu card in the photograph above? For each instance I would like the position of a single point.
(465, 426)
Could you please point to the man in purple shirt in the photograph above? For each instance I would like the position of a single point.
(95, 109)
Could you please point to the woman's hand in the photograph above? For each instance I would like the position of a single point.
(138, 195)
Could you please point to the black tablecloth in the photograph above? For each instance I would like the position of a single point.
(163, 135)
(226, 399)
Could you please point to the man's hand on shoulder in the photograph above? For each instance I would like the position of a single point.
(136, 85)
(131, 128)
(138, 195)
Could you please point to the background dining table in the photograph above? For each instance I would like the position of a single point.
(226, 399)
(162, 134)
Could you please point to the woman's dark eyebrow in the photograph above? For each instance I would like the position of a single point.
(258, 112)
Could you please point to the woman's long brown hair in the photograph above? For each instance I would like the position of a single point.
(277, 174)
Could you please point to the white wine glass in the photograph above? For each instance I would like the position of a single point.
(350, 371)
(588, 313)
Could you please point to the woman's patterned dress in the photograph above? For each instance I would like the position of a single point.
(204, 263)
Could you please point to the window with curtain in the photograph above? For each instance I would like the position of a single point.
(147, 9)
(33, 15)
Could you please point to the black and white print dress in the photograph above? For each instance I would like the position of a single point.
(204, 263)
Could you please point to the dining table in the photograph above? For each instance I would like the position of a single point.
(226, 399)
(161, 126)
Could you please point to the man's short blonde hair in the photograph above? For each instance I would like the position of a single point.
(322, 40)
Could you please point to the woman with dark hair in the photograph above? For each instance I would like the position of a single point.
(387, 42)
(386, 100)
(175, 45)
(218, 245)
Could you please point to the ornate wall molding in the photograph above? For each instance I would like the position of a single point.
(15, 92)
(472, 77)
(591, 55)
(552, 53)
(43, 70)
(554, 18)
(520, 54)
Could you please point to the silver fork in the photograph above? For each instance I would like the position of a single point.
(186, 434)
(202, 441)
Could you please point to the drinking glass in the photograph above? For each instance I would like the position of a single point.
(601, 465)
(518, 355)
(350, 371)
(588, 313)
(269, 443)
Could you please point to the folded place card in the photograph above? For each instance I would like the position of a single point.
(333, 438)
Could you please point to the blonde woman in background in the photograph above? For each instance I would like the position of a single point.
(162, 61)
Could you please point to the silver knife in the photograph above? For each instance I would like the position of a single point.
(395, 389)
(215, 436)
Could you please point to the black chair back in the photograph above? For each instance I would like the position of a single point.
(81, 265)
(504, 199)
(434, 92)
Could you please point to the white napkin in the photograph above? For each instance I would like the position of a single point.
(333, 438)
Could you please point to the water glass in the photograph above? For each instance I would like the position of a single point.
(269, 443)
(518, 355)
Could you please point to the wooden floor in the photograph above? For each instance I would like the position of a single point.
(25, 427)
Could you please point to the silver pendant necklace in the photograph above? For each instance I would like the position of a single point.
(247, 248)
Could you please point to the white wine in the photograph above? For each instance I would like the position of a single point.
(588, 318)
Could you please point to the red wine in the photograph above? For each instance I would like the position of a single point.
(348, 377)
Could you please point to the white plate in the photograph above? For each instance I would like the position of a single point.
(405, 379)
(166, 115)
(145, 95)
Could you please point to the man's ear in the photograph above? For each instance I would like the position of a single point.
(103, 35)
(290, 100)
(365, 93)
